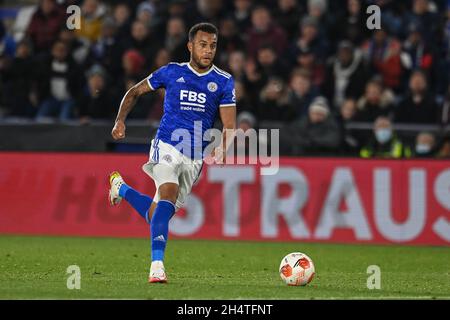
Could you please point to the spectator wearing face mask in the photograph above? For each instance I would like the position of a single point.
(385, 143)
(425, 145)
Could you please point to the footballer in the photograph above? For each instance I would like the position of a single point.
(195, 93)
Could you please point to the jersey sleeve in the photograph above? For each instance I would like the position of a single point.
(228, 98)
(158, 78)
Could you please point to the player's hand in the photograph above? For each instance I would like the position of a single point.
(118, 132)
(219, 156)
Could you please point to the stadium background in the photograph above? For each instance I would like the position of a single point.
(310, 68)
(347, 192)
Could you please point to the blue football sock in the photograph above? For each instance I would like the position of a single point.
(159, 228)
(140, 202)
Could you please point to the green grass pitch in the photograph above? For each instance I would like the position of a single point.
(35, 268)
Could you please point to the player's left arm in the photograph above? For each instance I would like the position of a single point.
(228, 118)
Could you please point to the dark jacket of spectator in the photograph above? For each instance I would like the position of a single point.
(44, 28)
(376, 102)
(315, 138)
(345, 80)
(424, 111)
(96, 106)
(274, 35)
(48, 73)
(316, 134)
(17, 87)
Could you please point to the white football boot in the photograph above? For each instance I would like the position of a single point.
(115, 181)
(157, 273)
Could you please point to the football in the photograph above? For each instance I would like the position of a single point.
(297, 269)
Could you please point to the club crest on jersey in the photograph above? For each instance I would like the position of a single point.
(212, 86)
(167, 158)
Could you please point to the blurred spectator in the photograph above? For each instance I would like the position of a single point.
(209, 10)
(17, 77)
(444, 148)
(287, 16)
(242, 99)
(306, 60)
(95, 101)
(122, 20)
(92, 12)
(229, 40)
(257, 73)
(350, 138)
(416, 53)
(133, 64)
(301, 93)
(178, 8)
(147, 106)
(108, 49)
(419, 105)
(245, 121)
(241, 14)
(78, 48)
(352, 24)
(384, 143)
(140, 40)
(425, 145)
(376, 102)
(236, 64)
(382, 53)
(421, 13)
(347, 110)
(346, 75)
(316, 134)
(58, 82)
(162, 58)
(317, 9)
(264, 31)
(45, 25)
(176, 39)
(309, 39)
(145, 13)
(272, 103)
(269, 64)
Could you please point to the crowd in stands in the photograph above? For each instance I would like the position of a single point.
(311, 65)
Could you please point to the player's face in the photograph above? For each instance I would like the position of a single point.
(203, 49)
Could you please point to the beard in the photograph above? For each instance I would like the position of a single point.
(201, 63)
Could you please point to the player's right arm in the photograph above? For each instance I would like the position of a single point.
(126, 105)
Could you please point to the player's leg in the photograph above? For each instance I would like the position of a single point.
(159, 230)
(159, 227)
(142, 203)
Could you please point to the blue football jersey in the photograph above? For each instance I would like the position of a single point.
(191, 104)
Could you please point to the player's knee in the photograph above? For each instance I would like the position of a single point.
(168, 192)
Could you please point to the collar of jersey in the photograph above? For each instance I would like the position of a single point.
(200, 74)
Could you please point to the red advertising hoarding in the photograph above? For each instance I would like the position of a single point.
(308, 199)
